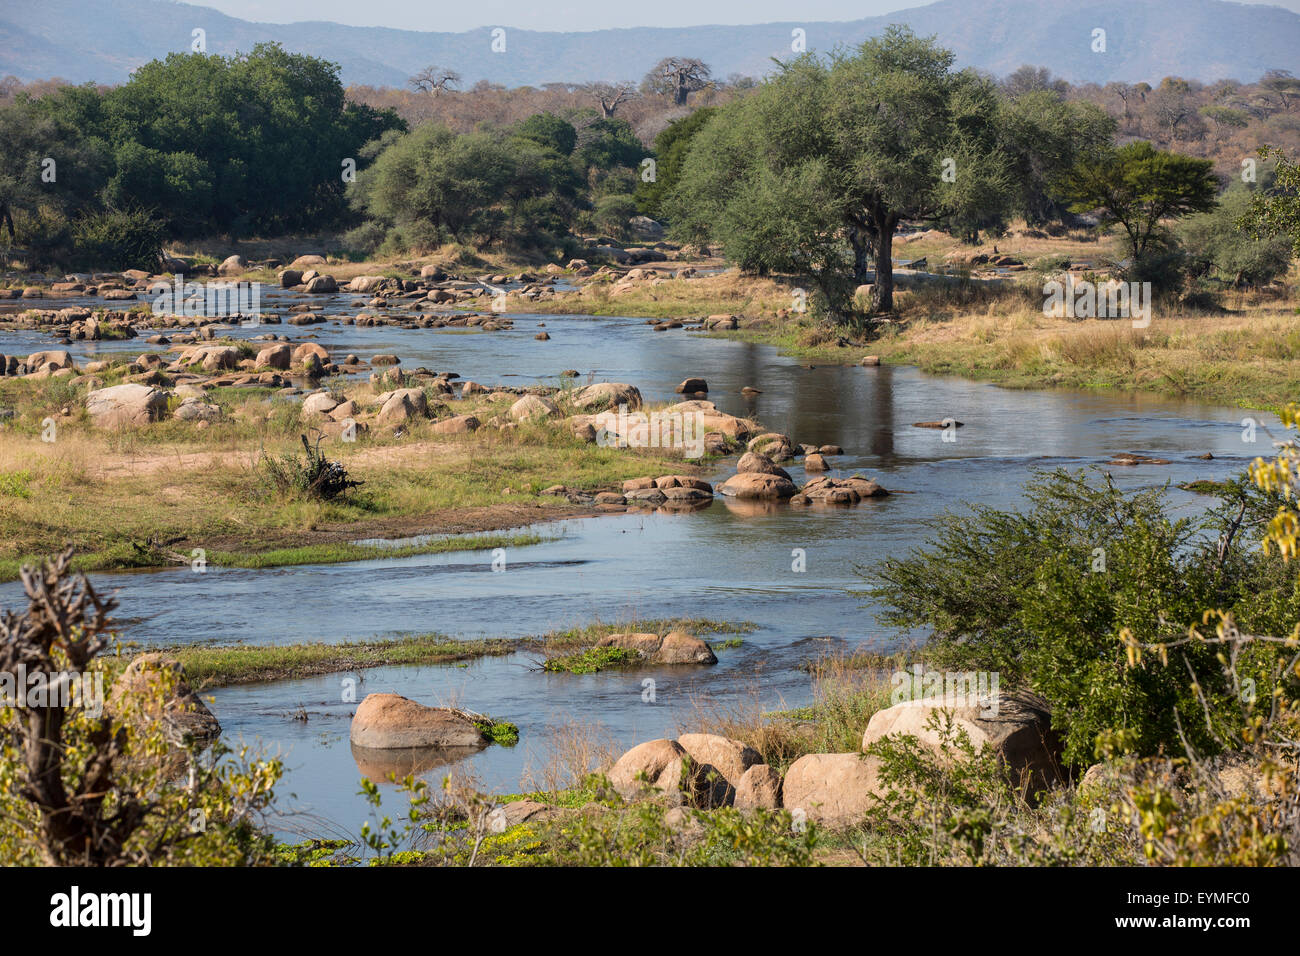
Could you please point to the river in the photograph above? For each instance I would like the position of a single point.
(725, 562)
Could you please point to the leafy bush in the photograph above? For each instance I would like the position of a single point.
(312, 476)
(1218, 249)
(92, 782)
(1056, 596)
(130, 238)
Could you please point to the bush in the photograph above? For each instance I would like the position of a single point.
(118, 239)
(1062, 597)
(84, 785)
(313, 476)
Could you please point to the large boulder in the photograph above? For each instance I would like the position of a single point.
(730, 758)
(152, 688)
(757, 485)
(680, 648)
(310, 352)
(365, 284)
(755, 462)
(645, 645)
(458, 425)
(759, 788)
(319, 403)
(774, 445)
(214, 358)
(321, 285)
(389, 721)
(836, 790)
(675, 647)
(404, 404)
(643, 227)
(693, 386)
(307, 262)
(604, 395)
(533, 406)
(663, 766)
(129, 404)
(1016, 725)
(54, 358)
(231, 266)
(197, 410)
(275, 356)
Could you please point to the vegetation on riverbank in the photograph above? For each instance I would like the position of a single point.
(224, 665)
(148, 497)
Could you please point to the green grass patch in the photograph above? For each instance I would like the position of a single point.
(592, 660)
(222, 666)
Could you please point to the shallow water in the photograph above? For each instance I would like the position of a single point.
(725, 562)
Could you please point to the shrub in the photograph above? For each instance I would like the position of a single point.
(312, 476)
(1057, 596)
(83, 786)
(129, 238)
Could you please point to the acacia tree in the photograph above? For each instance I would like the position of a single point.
(815, 170)
(1276, 212)
(1138, 186)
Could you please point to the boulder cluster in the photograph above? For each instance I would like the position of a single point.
(835, 789)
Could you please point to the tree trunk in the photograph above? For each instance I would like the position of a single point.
(860, 242)
(882, 293)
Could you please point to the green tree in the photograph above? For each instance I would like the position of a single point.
(549, 130)
(845, 149)
(1138, 187)
(1216, 248)
(670, 150)
(605, 144)
(1044, 138)
(1060, 595)
(1276, 210)
(482, 187)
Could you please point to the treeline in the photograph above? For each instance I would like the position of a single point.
(810, 172)
(529, 186)
(193, 145)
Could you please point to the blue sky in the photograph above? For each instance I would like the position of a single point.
(563, 15)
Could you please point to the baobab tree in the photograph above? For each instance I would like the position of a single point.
(678, 77)
(610, 96)
(434, 79)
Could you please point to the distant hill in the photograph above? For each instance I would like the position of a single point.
(103, 40)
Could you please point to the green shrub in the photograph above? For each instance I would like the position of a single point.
(129, 238)
(313, 476)
(1061, 596)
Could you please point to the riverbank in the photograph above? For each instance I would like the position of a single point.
(223, 490)
(1243, 354)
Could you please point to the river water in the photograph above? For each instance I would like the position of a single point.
(726, 562)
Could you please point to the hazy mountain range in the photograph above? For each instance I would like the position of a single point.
(103, 40)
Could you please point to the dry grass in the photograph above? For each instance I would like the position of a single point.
(846, 690)
(575, 750)
(110, 491)
(1245, 359)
